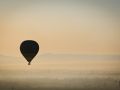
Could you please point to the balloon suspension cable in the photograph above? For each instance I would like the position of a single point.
(29, 63)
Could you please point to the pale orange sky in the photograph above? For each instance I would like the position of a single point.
(80, 28)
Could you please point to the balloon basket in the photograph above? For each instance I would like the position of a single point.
(29, 63)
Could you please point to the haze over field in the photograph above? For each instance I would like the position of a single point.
(60, 72)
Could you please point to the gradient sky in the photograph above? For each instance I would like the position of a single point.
(69, 26)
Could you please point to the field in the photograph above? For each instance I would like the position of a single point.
(60, 73)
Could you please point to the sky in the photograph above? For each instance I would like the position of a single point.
(61, 27)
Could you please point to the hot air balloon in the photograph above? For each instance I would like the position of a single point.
(29, 49)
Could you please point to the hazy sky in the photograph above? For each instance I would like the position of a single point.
(64, 26)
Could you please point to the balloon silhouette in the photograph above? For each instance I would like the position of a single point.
(29, 49)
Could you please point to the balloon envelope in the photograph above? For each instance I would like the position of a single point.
(29, 49)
